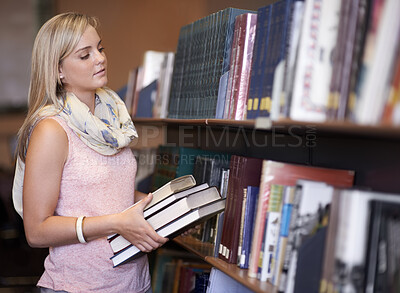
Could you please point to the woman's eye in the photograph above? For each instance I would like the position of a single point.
(85, 57)
(101, 49)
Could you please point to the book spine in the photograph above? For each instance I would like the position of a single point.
(272, 232)
(338, 60)
(326, 284)
(237, 200)
(290, 244)
(313, 70)
(178, 72)
(250, 212)
(260, 43)
(246, 56)
(354, 59)
(391, 112)
(275, 52)
(165, 86)
(233, 67)
(378, 65)
(295, 23)
(259, 224)
(233, 170)
(283, 233)
(240, 245)
(217, 241)
(249, 174)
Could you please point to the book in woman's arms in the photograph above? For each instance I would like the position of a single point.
(174, 228)
(172, 187)
(199, 196)
(171, 199)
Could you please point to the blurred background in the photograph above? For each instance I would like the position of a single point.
(128, 29)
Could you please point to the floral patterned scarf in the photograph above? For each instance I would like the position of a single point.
(107, 131)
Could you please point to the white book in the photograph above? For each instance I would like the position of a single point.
(314, 195)
(171, 187)
(352, 234)
(173, 229)
(378, 66)
(313, 69)
(152, 62)
(160, 108)
(172, 198)
(173, 211)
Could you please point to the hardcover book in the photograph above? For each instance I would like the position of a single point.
(244, 171)
(248, 225)
(275, 52)
(174, 186)
(314, 69)
(379, 56)
(258, 62)
(173, 229)
(351, 242)
(177, 208)
(240, 65)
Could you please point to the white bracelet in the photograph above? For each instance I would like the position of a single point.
(79, 232)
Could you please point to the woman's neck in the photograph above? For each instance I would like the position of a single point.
(88, 98)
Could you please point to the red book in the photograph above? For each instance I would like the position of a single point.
(244, 171)
(241, 58)
(287, 174)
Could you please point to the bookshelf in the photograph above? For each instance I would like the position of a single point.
(334, 127)
(372, 151)
(205, 250)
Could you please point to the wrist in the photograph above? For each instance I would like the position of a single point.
(116, 223)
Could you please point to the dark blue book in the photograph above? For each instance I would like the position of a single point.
(217, 242)
(260, 45)
(177, 74)
(248, 227)
(146, 100)
(185, 88)
(275, 52)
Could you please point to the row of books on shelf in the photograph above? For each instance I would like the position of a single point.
(176, 270)
(305, 60)
(301, 228)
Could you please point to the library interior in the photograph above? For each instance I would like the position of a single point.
(268, 132)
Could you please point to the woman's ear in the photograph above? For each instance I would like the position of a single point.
(60, 73)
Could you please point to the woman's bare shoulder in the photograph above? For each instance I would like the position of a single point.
(49, 136)
(49, 127)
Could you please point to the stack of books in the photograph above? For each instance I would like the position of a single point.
(177, 206)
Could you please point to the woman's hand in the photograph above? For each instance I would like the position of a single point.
(137, 230)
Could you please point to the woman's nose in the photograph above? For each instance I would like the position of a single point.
(100, 57)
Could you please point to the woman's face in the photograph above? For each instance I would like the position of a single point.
(85, 69)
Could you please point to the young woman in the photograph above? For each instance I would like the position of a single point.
(75, 172)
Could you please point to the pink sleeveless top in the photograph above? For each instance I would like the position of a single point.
(92, 185)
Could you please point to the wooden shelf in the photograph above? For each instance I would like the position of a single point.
(195, 246)
(287, 125)
(206, 250)
(240, 275)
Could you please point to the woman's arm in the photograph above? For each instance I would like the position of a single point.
(45, 159)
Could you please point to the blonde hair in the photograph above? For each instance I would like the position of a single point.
(55, 41)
